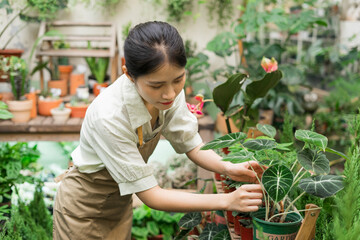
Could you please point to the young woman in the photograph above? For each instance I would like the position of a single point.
(120, 131)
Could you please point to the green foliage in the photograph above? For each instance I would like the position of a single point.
(125, 30)
(177, 9)
(31, 222)
(223, 9)
(4, 113)
(148, 222)
(98, 66)
(287, 132)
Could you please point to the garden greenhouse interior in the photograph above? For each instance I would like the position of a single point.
(193, 119)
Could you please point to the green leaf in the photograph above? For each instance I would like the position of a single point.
(5, 114)
(3, 105)
(210, 230)
(222, 235)
(259, 88)
(13, 169)
(312, 138)
(314, 161)
(330, 150)
(166, 229)
(260, 144)
(224, 93)
(157, 215)
(238, 157)
(139, 232)
(322, 186)
(190, 220)
(277, 181)
(283, 146)
(182, 234)
(266, 129)
(225, 141)
(153, 228)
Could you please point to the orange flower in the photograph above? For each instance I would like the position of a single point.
(269, 65)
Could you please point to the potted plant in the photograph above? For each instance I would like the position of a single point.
(153, 224)
(98, 67)
(65, 69)
(78, 107)
(308, 169)
(20, 107)
(60, 113)
(49, 100)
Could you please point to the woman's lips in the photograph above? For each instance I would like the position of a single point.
(167, 103)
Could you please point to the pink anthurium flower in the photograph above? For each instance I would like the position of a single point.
(194, 108)
(269, 65)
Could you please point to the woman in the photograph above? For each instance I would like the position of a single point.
(120, 131)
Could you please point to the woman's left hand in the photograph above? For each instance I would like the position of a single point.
(243, 172)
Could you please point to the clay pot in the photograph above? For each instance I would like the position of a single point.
(77, 111)
(61, 84)
(99, 87)
(60, 115)
(32, 96)
(46, 105)
(76, 80)
(21, 110)
(65, 71)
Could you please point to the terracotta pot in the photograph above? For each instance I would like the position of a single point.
(46, 105)
(76, 80)
(230, 217)
(60, 115)
(77, 111)
(220, 125)
(240, 229)
(218, 219)
(246, 233)
(21, 110)
(254, 133)
(11, 52)
(65, 71)
(99, 87)
(32, 96)
(61, 84)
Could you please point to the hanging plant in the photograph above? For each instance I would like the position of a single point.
(178, 8)
(222, 10)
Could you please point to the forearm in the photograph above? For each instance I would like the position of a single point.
(208, 159)
(178, 201)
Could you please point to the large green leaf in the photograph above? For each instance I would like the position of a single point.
(260, 144)
(259, 88)
(222, 235)
(13, 169)
(322, 186)
(238, 157)
(224, 93)
(5, 114)
(225, 141)
(314, 161)
(330, 150)
(153, 228)
(139, 232)
(166, 229)
(277, 181)
(312, 138)
(190, 220)
(209, 232)
(266, 129)
(157, 215)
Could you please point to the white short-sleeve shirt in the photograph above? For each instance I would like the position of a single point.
(108, 136)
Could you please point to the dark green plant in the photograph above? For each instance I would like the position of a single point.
(221, 10)
(61, 44)
(98, 66)
(149, 222)
(177, 9)
(125, 30)
(31, 11)
(287, 135)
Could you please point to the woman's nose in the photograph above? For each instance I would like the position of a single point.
(169, 93)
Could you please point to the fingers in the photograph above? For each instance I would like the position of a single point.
(252, 187)
(247, 198)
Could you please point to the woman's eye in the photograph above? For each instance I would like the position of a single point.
(156, 87)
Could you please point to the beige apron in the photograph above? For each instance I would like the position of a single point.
(89, 206)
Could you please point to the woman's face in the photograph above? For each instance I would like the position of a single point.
(159, 89)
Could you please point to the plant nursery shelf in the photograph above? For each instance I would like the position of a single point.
(41, 129)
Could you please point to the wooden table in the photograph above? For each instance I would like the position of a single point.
(41, 129)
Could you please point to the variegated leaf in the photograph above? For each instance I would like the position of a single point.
(239, 157)
(225, 141)
(314, 161)
(312, 138)
(260, 144)
(322, 186)
(266, 129)
(277, 181)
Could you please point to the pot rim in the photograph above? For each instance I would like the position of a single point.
(262, 210)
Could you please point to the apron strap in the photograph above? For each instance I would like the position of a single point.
(140, 135)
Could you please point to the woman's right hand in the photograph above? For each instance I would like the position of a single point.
(247, 198)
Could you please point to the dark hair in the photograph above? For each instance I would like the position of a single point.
(149, 45)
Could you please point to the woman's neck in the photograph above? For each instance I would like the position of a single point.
(154, 112)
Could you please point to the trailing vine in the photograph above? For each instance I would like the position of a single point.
(223, 9)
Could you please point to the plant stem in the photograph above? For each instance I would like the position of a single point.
(227, 120)
(298, 173)
(298, 179)
(304, 210)
(290, 205)
(294, 164)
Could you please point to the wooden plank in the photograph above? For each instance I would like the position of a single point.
(6, 123)
(307, 229)
(48, 121)
(74, 121)
(25, 137)
(80, 38)
(75, 53)
(37, 121)
(84, 24)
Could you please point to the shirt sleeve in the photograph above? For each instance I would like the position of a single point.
(116, 146)
(181, 128)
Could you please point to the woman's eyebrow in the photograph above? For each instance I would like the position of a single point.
(161, 82)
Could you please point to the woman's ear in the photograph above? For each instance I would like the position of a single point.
(127, 73)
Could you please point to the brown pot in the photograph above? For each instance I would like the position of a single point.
(62, 84)
(11, 52)
(220, 125)
(77, 111)
(46, 105)
(98, 88)
(65, 71)
(76, 80)
(32, 96)
(21, 110)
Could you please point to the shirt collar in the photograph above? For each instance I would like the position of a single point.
(138, 113)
